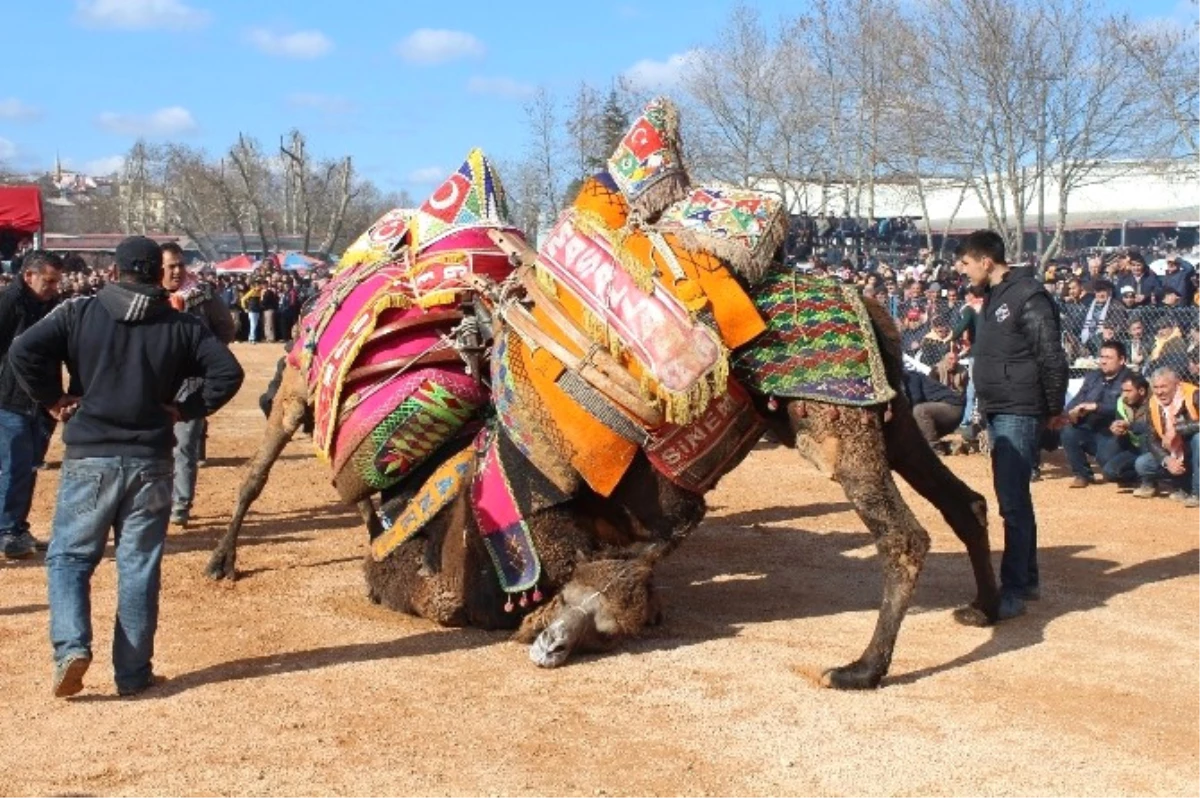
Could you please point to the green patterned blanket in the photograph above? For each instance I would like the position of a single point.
(818, 345)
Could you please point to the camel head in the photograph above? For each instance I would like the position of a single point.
(605, 602)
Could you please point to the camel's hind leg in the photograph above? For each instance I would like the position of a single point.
(287, 413)
(964, 509)
(851, 442)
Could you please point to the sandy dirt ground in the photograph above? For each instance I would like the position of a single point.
(291, 682)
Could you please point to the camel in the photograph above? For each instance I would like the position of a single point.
(598, 553)
(598, 546)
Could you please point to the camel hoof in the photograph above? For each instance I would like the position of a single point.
(855, 676)
(552, 646)
(972, 615)
(222, 566)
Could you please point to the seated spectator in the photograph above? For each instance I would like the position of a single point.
(1130, 427)
(1172, 443)
(1193, 354)
(1170, 348)
(1129, 297)
(1111, 330)
(937, 342)
(1097, 311)
(1091, 413)
(1137, 343)
(937, 407)
(912, 332)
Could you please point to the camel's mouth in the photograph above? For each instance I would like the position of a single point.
(552, 647)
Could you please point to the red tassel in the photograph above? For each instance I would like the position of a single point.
(508, 607)
(537, 595)
(772, 405)
(524, 602)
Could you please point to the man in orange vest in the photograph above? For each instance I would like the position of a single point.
(1174, 446)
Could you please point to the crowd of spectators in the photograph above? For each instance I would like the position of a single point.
(1119, 319)
(265, 303)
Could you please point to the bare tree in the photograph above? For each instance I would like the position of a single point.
(732, 97)
(546, 152)
(255, 183)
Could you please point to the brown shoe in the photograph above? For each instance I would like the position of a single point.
(68, 675)
(1079, 482)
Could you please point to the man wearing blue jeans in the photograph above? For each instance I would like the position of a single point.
(23, 428)
(127, 352)
(1020, 375)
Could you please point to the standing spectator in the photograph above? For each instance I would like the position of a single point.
(23, 430)
(1020, 376)
(1137, 343)
(127, 352)
(270, 312)
(1131, 426)
(198, 299)
(1145, 283)
(252, 304)
(1177, 280)
(1091, 413)
(1174, 446)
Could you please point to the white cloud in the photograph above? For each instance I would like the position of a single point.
(430, 46)
(428, 175)
(13, 110)
(8, 150)
(323, 103)
(173, 121)
(300, 44)
(501, 87)
(139, 14)
(103, 167)
(651, 75)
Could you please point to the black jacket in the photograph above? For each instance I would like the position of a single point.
(1105, 393)
(922, 388)
(1020, 366)
(127, 352)
(20, 309)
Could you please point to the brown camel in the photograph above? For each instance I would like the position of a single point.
(598, 554)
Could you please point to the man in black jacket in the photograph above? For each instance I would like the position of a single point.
(24, 430)
(127, 352)
(1020, 376)
(1091, 412)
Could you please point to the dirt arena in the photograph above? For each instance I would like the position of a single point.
(292, 683)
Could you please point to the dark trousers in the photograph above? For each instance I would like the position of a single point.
(1078, 442)
(936, 419)
(1014, 444)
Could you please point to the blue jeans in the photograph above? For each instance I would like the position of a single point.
(1014, 443)
(1079, 442)
(1121, 467)
(189, 441)
(1149, 468)
(131, 496)
(22, 445)
(969, 408)
(255, 325)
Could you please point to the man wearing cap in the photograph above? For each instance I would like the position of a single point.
(1177, 279)
(1020, 376)
(1145, 283)
(127, 352)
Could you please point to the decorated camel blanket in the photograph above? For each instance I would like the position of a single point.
(379, 346)
(819, 344)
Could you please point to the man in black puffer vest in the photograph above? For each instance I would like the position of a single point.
(1020, 375)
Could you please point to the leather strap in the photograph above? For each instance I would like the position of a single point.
(413, 322)
(438, 357)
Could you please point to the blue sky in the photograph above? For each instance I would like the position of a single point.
(406, 88)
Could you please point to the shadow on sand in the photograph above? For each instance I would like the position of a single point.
(737, 571)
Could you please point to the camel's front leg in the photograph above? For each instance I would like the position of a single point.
(853, 439)
(287, 414)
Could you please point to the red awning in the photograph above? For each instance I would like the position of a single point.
(239, 264)
(21, 208)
